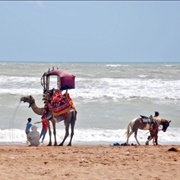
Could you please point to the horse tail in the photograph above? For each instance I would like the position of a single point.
(128, 129)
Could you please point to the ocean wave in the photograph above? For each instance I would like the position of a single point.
(98, 136)
(142, 76)
(128, 89)
(106, 88)
(116, 65)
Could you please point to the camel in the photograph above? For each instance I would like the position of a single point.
(68, 120)
(138, 123)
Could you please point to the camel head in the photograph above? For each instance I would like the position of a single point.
(28, 99)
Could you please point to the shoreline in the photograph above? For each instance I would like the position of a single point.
(88, 162)
(92, 143)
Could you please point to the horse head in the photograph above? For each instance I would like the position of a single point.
(28, 99)
(165, 124)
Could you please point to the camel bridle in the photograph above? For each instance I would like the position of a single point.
(31, 101)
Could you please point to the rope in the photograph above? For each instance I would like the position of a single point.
(12, 123)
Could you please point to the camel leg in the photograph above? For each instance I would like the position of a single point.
(135, 136)
(49, 129)
(54, 132)
(66, 135)
(72, 130)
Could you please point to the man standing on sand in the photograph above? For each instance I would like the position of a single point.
(28, 126)
(156, 114)
(44, 129)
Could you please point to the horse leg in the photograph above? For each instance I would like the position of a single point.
(72, 130)
(66, 133)
(135, 136)
(128, 136)
(129, 132)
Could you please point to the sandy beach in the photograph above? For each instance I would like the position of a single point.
(90, 162)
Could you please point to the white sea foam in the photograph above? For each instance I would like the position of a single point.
(113, 65)
(129, 89)
(102, 88)
(142, 75)
(94, 136)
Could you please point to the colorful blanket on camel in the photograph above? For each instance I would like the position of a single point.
(60, 103)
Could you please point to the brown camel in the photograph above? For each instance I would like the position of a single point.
(138, 123)
(68, 120)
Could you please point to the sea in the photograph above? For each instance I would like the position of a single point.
(107, 97)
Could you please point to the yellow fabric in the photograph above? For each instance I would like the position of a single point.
(61, 112)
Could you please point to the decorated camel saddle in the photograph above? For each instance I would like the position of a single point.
(56, 102)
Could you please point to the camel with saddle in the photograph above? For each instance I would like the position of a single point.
(57, 106)
(147, 123)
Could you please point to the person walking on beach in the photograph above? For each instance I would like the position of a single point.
(28, 126)
(44, 129)
(33, 136)
(156, 114)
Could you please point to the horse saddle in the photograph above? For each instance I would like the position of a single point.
(147, 120)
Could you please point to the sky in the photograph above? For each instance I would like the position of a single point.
(90, 31)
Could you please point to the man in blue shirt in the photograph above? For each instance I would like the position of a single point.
(28, 126)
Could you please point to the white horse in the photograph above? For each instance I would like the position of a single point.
(138, 123)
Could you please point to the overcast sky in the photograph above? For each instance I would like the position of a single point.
(90, 31)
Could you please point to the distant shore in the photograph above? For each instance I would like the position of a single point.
(88, 162)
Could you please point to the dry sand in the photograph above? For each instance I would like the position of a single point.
(87, 162)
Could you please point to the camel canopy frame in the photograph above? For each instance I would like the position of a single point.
(65, 80)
